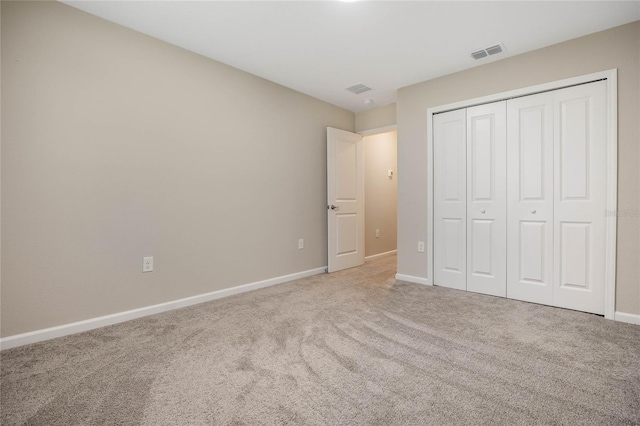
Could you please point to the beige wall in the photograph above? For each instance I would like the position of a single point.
(615, 48)
(381, 192)
(117, 146)
(376, 118)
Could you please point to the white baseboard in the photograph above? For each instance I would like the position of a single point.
(412, 279)
(628, 318)
(379, 255)
(98, 322)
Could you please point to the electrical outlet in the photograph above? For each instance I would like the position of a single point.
(300, 243)
(377, 233)
(147, 264)
(421, 246)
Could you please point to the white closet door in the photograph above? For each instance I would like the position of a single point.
(530, 198)
(486, 199)
(580, 181)
(450, 199)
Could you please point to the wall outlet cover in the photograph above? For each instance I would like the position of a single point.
(147, 264)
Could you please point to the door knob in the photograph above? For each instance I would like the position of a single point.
(334, 207)
(483, 211)
(533, 211)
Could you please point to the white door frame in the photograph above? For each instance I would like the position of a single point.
(378, 130)
(611, 76)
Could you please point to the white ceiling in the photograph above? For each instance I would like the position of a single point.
(321, 47)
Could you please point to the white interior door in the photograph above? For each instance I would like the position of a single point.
(530, 198)
(345, 199)
(486, 199)
(538, 172)
(580, 185)
(450, 199)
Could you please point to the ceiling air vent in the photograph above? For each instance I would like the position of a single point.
(494, 49)
(483, 53)
(358, 88)
(479, 54)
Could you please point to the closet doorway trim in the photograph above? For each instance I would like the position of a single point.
(611, 77)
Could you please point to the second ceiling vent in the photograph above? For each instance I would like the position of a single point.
(483, 53)
(358, 88)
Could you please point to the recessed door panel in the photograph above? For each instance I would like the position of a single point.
(574, 255)
(482, 132)
(530, 198)
(346, 170)
(533, 253)
(532, 144)
(346, 234)
(454, 245)
(574, 143)
(453, 151)
(486, 201)
(580, 131)
(481, 250)
(450, 199)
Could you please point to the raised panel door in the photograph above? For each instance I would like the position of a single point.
(450, 199)
(345, 199)
(580, 189)
(530, 198)
(486, 199)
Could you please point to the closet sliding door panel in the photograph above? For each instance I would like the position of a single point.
(580, 181)
(530, 198)
(486, 199)
(450, 199)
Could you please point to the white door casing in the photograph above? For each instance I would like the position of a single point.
(450, 199)
(530, 198)
(486, 199)
(580, 192)
(345, 199)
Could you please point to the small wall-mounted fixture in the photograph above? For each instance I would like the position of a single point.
(390, 174)
(488, 51)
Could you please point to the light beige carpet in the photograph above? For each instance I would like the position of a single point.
(350, 348)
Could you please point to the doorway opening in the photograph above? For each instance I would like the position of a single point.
(361, 227)
(381, 192)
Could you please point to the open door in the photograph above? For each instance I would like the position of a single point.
(345, 199)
